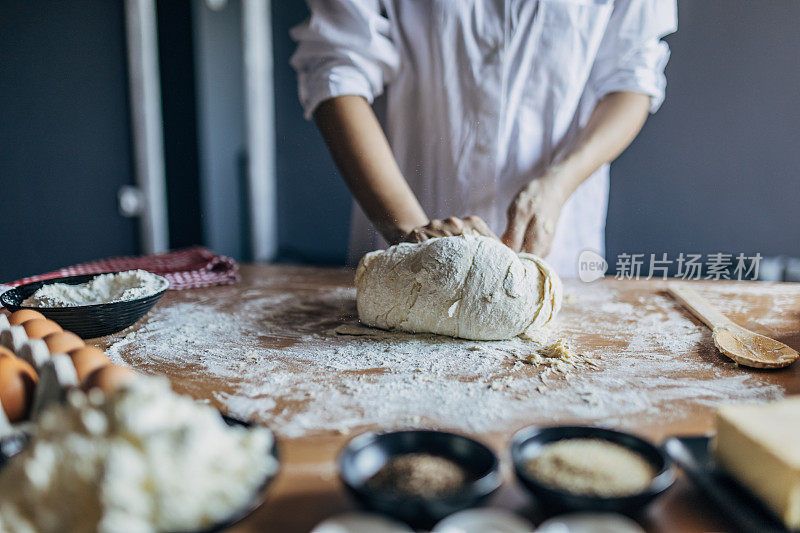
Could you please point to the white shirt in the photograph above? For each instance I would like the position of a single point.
(482, 94)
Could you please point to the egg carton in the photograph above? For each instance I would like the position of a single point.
(55, 370)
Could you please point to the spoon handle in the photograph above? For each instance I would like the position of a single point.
(699, 306)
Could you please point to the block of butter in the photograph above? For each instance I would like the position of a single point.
(760, 446)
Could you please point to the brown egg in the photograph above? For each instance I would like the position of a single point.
(5, 352)
(109, 379)
(23, 315)
(17, 382)
(63, 342)
(88, 359)
(39, 328)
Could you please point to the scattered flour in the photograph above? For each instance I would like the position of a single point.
(275, 355)
(102, 289)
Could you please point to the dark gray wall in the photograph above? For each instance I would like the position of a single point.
(718, 167)
(314, 204)
(220, 121)
(179, 112)
(64, 134)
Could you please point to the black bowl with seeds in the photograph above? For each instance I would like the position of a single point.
(623, 474)
(418, 476)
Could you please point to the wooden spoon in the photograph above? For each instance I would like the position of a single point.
(740, 344)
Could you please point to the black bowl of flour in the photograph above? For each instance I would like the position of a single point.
(86, 321)
(367, 457)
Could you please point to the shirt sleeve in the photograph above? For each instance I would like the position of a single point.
(632, 55)
(345, 47)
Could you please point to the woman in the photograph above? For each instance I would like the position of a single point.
(504, 112)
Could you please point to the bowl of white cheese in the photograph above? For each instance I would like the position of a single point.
(145, 459)
(91, 305)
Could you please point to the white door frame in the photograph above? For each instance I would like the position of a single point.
(147, 124)
(259, 118)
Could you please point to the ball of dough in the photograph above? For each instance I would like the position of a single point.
(467, 286)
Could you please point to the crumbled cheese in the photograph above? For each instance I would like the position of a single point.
(144, 460)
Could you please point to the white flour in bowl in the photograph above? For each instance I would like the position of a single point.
(102, 289)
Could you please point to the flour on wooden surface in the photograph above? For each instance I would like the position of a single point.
(277, 357)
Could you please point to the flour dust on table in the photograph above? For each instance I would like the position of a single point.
(275, 356)
(467, 286)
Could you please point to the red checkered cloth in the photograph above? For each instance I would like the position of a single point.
(185, 269)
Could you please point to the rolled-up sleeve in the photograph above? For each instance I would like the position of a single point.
(632, 55)
(344, 48)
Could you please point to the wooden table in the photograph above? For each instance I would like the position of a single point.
(307, 489)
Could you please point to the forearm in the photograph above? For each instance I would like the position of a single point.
(362, 154)
(614, 123)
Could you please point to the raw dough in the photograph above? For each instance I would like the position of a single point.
(467, 286)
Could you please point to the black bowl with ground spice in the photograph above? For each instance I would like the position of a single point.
(418, 476)
(578, 468)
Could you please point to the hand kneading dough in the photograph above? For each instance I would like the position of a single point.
(466, 286)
